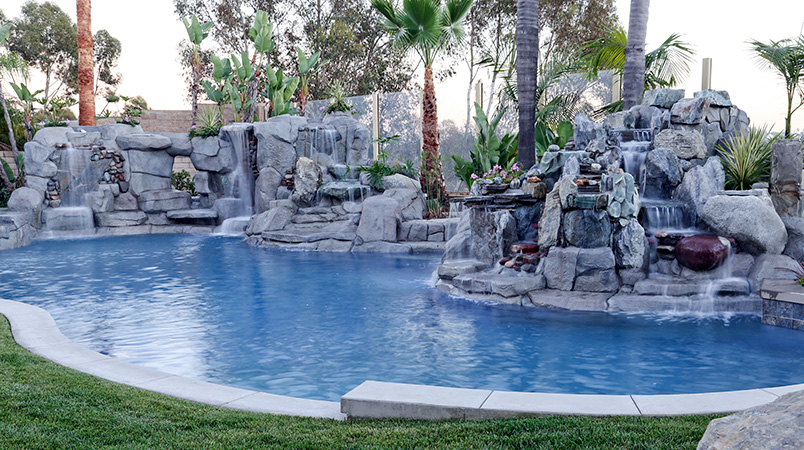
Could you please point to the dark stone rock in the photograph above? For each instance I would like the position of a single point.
(587, 228)
(662, 173)
(702, 252)
(662, 98)
(716, 98)
(690, 111)
(785, 181)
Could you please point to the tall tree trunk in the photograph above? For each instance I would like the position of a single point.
(432, 175)
(634, 71)
(527, 65)
(11, 138)
(86, 65)
(196, 62)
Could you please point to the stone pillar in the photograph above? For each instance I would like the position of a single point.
(785, 180)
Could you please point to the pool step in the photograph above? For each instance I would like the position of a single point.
(375, 399)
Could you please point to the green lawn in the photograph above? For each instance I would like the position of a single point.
(43, 405)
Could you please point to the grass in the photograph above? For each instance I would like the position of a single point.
(48, 406)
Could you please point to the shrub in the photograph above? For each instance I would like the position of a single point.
(746, 157)
(489, 151)
(209, 124)
(380, 168)
(183, 182)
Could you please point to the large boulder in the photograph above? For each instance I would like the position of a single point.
(411, 203)
(586, 131)
(164, 200)
(560, 266)
(143, 182)
(631, 249)
(379, 220)
(772, 267)
(158, 163)
(795, 237)
(180, 144)
(550, 222)
(265, 188)
(52, 136)
(700, 184)
(399, 181)
(785, 180)
(493, 232)
(223, 162)
(702, 252)
(587, 228)
(594, 270)
(776, 425)
(686, 144)
(29, 202)
(716, 98)
(25, 199)
(750, 220)
(143, 141)
(275, 141)
(308, 180)
(121, 218)
(662, 173)
(689, 111)
(274, 219)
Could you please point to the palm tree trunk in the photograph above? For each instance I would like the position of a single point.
(196, 63)
(634, 70)
(527, 64)
(432, 175)
(11, 138)
(86, 66)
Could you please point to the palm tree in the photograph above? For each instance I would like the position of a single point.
(5, 30)
(787, 57)
(86, 65)
(427, 27)
(665, 66)
(634, 70)
(527, 64)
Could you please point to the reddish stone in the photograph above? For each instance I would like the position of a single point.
(702, 252)
(529, 248)
(505, 260)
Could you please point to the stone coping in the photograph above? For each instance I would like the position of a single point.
(782, 290)
(35, 330)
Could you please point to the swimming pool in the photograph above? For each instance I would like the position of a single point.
(315, 325)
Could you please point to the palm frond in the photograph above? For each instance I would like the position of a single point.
(670, 62)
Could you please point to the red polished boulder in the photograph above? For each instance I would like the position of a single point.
(702, 252)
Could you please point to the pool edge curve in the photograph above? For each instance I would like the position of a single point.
(34, 329)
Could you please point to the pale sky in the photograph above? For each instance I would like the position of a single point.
(150, 31)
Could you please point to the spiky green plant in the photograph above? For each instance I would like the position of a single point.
(746, 157)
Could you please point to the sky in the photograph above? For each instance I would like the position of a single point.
(719, 29)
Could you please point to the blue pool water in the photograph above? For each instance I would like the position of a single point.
(316, 325)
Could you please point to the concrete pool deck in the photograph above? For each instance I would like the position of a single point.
(34, 329)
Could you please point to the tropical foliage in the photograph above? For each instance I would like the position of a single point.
(196, 32)
(427, 28)
(786, 58)
(665, 66)
(339, 102)
(489, 150)
(746, 157)
(380, 168)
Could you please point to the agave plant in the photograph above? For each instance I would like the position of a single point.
(746, 157)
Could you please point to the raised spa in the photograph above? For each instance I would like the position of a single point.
(315, 324)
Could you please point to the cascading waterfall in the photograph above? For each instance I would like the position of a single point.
(634, 145)
(75, 182)
(665, 215)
